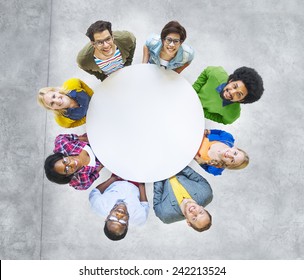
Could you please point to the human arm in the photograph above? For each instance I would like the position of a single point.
(101, 166)
(85, 61)
(212, 169)
(199, 160)
(98, 202)
(83, 138)
(132, 41)
(86, 88)
(224, 119)
(86, 176)
(66, 138)
(192, 175)
(213, 116)
(141, 213)
(142, 192)
(103, 186)
(146, 54)
(160, 203)
(67, 122)
(221, 135)
(158, 190)
(78, 85)
(200, 81)
(180, 69)
(64, 142)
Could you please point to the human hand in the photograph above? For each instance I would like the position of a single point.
(199, 160)
(114, 177)
(83, 138)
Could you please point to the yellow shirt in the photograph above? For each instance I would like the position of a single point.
(179, 191)
(78, 85)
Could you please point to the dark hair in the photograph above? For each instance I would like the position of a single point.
(51, 174)
(174, 27)
(205, 227)
(98, 26)
(252, 80)
(111, 235)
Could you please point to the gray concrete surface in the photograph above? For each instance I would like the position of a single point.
(258, 212)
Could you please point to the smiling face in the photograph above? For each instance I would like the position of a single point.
(234, 91)
(171, 44)
(118, 219)
(56, 100)
(67, 166)
(195, 214)
(103, 44)
(231, 156)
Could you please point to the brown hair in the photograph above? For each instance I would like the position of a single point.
(206, 227)
(98, 26)
(174, 27)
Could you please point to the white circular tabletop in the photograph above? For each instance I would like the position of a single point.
(145, 123)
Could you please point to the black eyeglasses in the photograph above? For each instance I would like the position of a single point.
(100, 43)
(66, 161)
(170, 40)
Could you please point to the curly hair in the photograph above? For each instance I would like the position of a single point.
(174, 27)
(98, 26)
(252, 80)
(51, 174)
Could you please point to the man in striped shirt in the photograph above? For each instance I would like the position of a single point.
(107, 51)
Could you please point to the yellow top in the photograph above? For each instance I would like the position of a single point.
(179, 191)
(78, 85)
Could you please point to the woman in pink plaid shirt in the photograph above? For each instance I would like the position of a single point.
(73, 162)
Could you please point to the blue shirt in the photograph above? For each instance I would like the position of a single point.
(102, 203)
(83, 100)
(184, 54)
(221, 136)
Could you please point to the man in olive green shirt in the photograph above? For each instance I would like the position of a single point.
(107, 51)
(221, 95)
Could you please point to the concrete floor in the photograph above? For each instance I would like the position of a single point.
(258, 213)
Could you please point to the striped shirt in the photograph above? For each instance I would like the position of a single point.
(110, 65)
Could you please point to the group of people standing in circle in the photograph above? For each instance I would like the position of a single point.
(181, 197)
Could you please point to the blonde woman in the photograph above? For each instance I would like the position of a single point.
(218, 152)
(69, 102)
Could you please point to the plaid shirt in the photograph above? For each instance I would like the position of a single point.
(69, 145)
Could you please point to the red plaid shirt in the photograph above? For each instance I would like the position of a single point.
(69, 145)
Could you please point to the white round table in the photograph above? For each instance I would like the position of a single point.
(145, 123)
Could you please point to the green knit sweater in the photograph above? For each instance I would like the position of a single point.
(212, 103)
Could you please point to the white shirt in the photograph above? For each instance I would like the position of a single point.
(102, 204)
(91, 155)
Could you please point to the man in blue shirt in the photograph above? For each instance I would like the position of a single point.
(122, 202)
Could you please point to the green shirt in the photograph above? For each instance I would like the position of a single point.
(212, 103)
